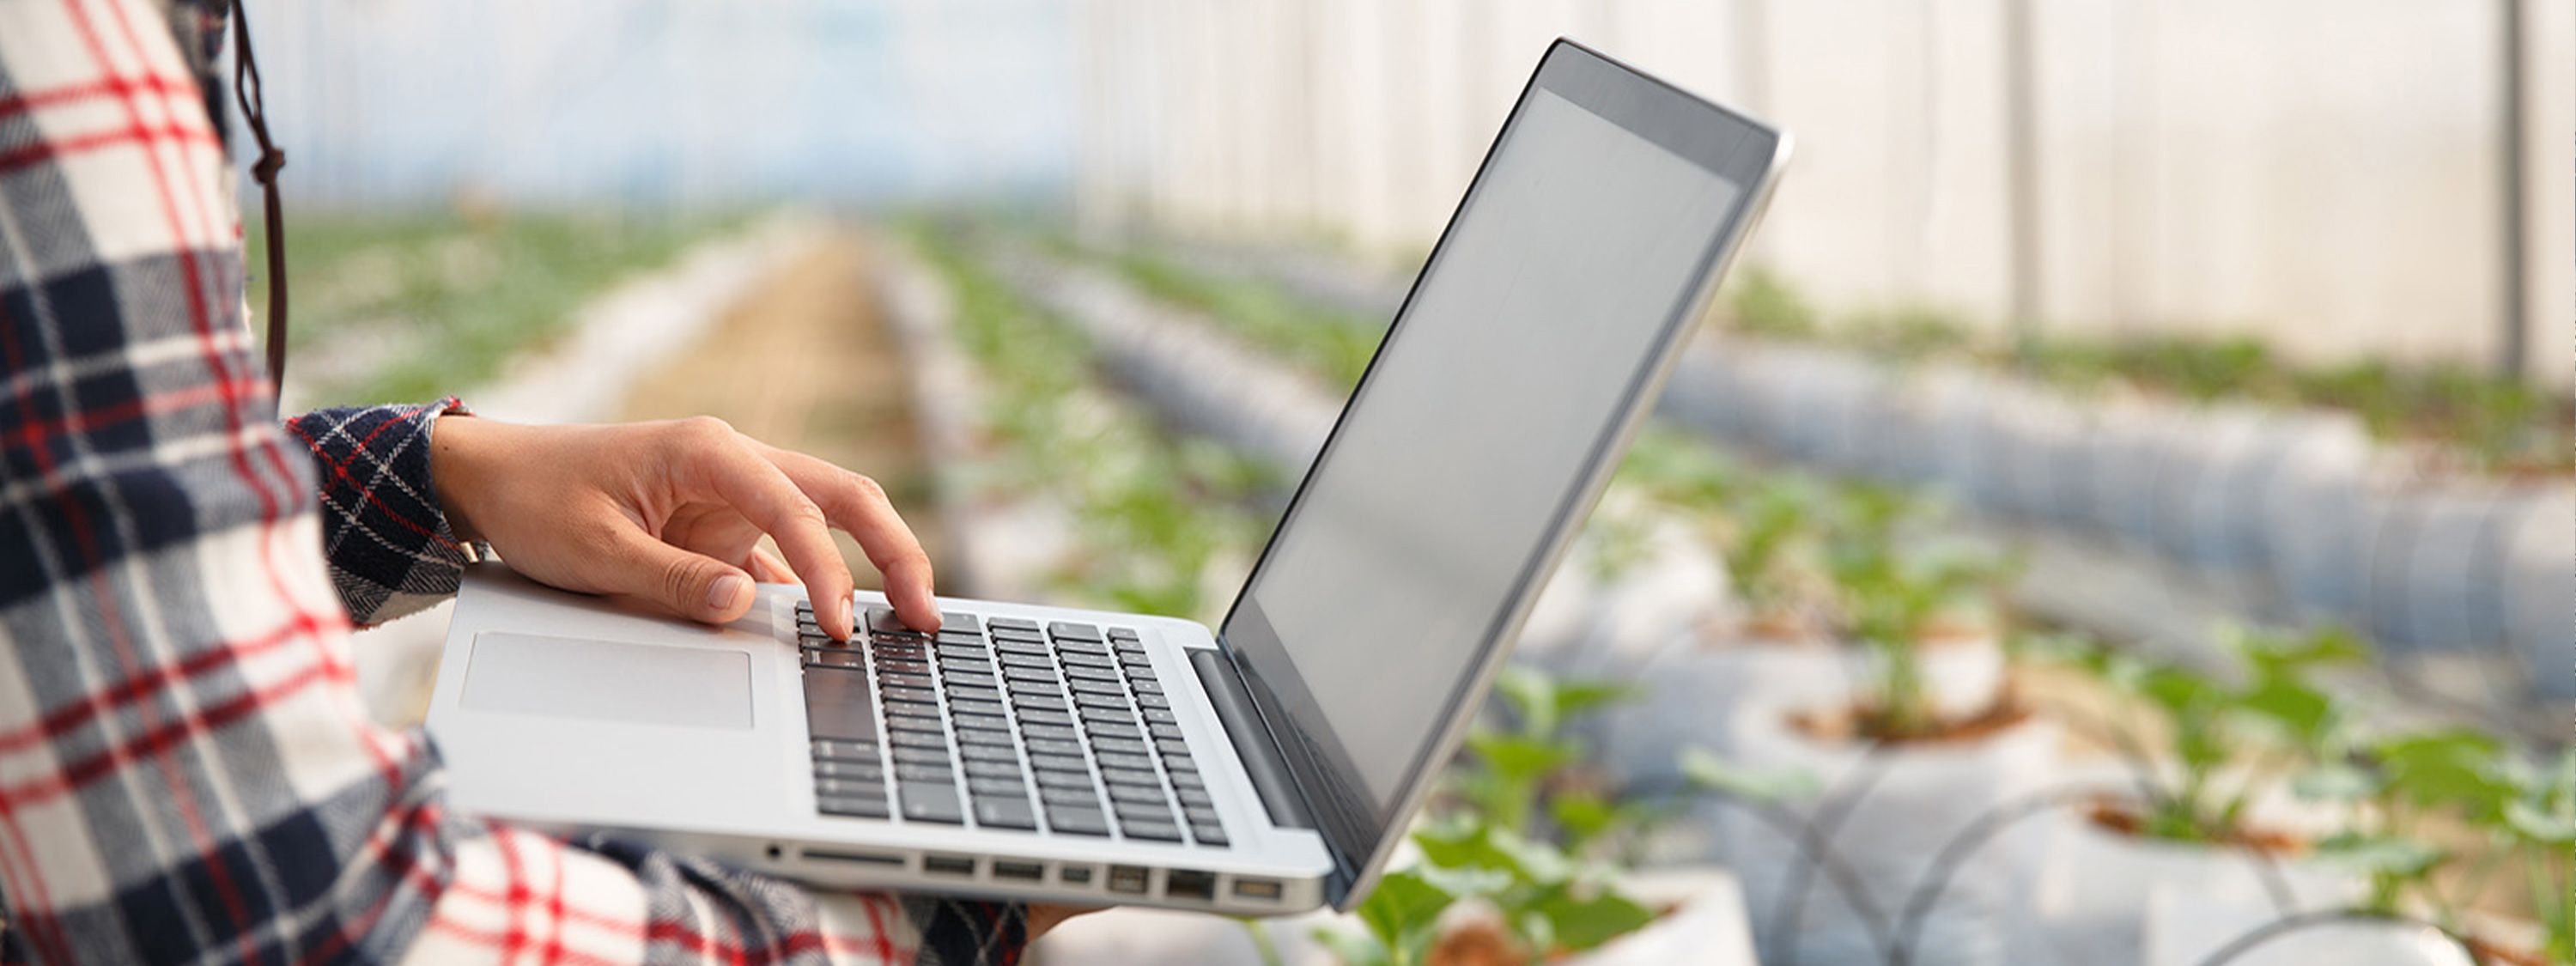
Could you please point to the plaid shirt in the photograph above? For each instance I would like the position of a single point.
(186, 773)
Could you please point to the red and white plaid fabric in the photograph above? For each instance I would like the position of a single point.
(185, 772)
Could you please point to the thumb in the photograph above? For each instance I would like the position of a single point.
(694, 586)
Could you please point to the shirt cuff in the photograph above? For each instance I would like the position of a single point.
(963, 932)
(388, 543)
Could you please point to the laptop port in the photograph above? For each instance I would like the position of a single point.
(1184, 884)
(862, 858)
(1264, 889)
(956, 865)
(1074, 874)
(1022, 871)
(1127, 878)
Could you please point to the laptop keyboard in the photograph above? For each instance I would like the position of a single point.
(1000, 724)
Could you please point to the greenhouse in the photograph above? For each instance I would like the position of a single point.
(2118, 506)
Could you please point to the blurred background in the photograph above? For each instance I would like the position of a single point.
(2172, 396)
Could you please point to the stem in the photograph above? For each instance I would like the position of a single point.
(2298, 922)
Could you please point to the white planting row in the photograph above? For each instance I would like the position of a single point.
(2297, 511)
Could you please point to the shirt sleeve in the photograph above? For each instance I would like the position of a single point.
(186, 771)
(384, 535)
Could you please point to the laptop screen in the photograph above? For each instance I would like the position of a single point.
(1505, 378)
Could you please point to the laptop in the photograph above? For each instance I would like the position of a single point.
(1266, 766)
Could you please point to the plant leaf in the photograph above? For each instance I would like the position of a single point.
(1752, 784)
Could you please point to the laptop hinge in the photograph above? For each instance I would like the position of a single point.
(1252, 741)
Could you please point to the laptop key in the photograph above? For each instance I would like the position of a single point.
(961, 637)
(1092, 673)
(1091, 649)
(852, 807)
(848, 788)
(1056, 762)
(1077, 821)
(1065, 779)
(997, 786)
(1105, 702)
(976, 753)
(932, 803)
(953, 620)
(933, 774)
(1172, 746)
(1036, 732)
(1034, 662)
(1068, 795)
(1139, 794)
(1030, 702)
(1054, 746)
(1150, 829)
(969, 679)
(913, 722)
(900, 680)
(1195, 798)
(1074, 659)
(963, 692)
(1010, 624)
(1062, 719)
(1187, 780)
(1005, 812)
(1087, 686)
(985, 737)
(833, 659)
(1164, 730)
(1109, 759)
(1069, 629)
(1180, 764)
(845, 750)
(1155, 701)
(962, 653)
(1107, 715)
(1108, 729)
(837, 705)
(1199, 815)
(1208, 834)
(1124, 746)
(988, 768)
(921, 694)
(1126, 776)
(993, 708)
(1160, 716)
(1144, 684)
(1040, 688)
(922, 756)
(917, 739)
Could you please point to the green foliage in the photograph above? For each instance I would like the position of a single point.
(1514, 835)
(2275, 710)
(1765, 304)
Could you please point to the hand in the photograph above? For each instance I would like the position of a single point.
(671, 514)
(1045, 916)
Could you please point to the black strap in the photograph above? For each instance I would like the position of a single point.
(246, 90)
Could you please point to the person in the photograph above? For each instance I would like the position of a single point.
(185, 770)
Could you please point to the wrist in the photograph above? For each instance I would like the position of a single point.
(459, 463)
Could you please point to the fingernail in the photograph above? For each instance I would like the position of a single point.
(726, 589)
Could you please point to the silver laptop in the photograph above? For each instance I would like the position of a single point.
(1265, 767)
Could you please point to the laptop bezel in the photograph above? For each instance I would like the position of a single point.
(1735, 147)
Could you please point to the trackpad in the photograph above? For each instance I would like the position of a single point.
(569, 677)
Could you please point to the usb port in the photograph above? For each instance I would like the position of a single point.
(1075, 874)
(1127, 878)
(956, 865)
(1267, 889)
(1184, 884)
(1023, 871)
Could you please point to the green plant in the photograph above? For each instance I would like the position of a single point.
(2393, 787)
(1334, 345)
(1765, 304)
(2273, 714)
(1515, 834)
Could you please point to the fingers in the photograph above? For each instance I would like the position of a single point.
(768, 568)
(694, 586)
(722, 461)
(858, 505)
